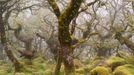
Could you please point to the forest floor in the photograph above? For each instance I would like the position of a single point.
(97, 66)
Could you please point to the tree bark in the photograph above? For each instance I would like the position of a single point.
(64, 36)
(66, 50)
(59, 62)
(9, 53)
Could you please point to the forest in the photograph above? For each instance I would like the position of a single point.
(66, 37)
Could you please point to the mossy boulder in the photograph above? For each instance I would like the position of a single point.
(127, 69)
(100, 71)
(114, 62)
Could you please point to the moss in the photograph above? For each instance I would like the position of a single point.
(87, 62)
(78, 63)
(10, 69)
(88, 68)
(100, 71)
(2, 72)
(19, 73)
(97, 60)
(38, 65)
(40, 72)
(39, 60)
(114, 62)
(80, 71)
(78, 74)
(127, 69)
(62, 70)
(2, 62)
(48, 72)
(130, 60)
(41, 66)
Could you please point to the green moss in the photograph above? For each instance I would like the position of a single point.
(78, 74)
(100, 71)
(48, 72)
(88, 68)
(80, 71)
(39, 60)
(62, 70)
(97, 60)
(127, 69)
(41, 66)
(130, 60)
(19, 73)
(40, 72)
(114, 62)
(78, 64)
(10, 69)
(2, 72)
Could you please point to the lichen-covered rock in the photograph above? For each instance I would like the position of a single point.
(100, 71)
(127, 69)
(114, 62)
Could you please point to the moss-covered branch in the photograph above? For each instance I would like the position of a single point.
(68, 14)
(54, 7)
(64, 21)
(125, 40)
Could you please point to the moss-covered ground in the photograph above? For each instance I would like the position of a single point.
(39, 66)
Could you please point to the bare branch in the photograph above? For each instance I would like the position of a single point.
(8, 7)
(92, 3)
(81, 41)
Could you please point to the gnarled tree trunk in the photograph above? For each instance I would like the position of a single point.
(4, 42)
(64, 36)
